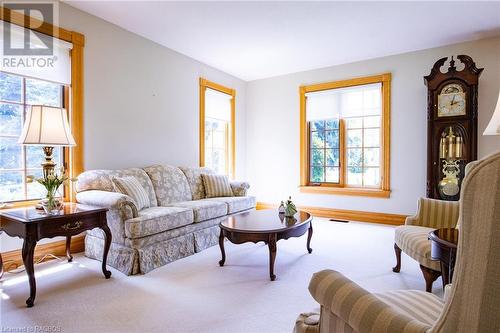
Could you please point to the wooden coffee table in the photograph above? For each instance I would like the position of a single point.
(264, 226)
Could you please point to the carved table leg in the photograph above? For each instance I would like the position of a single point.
(272, 255)
(1, 266)
(430, 276)
(221, 245)
(28, 252)
(309, 236)
(107, 244)
(397, 250)
(68, 249)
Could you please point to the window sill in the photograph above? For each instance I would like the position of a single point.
(362, 192)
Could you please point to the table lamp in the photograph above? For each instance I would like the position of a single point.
(493, 127)
(48, 127)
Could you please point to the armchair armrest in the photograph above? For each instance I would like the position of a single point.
(356, 307)
(239, 189)
(434, 213)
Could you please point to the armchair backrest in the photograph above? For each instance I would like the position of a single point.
(474, 304)
(434, 213)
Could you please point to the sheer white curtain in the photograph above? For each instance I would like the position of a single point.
(55, 67)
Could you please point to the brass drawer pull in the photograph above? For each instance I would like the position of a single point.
(72, 226)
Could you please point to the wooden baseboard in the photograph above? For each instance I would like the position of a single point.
(13, 259)
(351, 215)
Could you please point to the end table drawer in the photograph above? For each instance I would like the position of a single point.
(72, 226)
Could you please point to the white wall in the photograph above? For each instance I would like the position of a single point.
(141, 101)
(273, 126)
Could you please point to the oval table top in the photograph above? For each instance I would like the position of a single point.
(264, 221)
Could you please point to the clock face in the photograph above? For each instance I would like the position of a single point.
(451, 101)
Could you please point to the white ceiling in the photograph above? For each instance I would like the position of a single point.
(254, 40)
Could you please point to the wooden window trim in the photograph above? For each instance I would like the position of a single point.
(341, 189)
(74, 155)
(204, 84)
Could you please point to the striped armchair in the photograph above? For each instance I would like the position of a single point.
(412, 238)
(474, 298)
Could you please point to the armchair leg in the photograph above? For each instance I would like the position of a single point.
(430, 276)
(397, 250)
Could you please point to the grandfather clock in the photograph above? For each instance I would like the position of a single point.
(451, 125)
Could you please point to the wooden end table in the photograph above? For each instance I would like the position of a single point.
(264, 226)
(33, 225)
(444, 248)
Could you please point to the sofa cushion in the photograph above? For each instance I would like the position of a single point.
(130, 186)
(195, 181)
(236, 204)
(101, 180)
(204, 209)
(157, 219)
(216, 186)
(170, 184)
(414, 241)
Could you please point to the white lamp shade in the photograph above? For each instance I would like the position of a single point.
(46, 126)
(493, 127)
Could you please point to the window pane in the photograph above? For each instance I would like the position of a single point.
(318, 139)
(11, 119)
(45, 93)
(332, 157)
(317, 125)
(354, 122)
(372, 121)
(10, 87)
(354, 138)
(35, 189)
(372, 137)
(371, 156)
(332, 124)
(354, 157)
(218, 161)
(317, 175)
(11, 186)
(219, 139)
(317, 156)
(332, 175)
(354, 176)
(10, 153)
(332, 139)
(371, 177)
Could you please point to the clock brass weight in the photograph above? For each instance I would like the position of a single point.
(451, 125)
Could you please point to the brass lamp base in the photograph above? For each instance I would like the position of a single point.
(48, 168)
(49, 165)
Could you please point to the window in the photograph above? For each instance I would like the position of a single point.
(345, 136)
(217, 127)
(17, 94)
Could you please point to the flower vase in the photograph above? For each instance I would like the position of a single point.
(51, 204)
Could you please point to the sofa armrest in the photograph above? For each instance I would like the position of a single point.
(434, 213)
(239, 189)
(358, 308)
(110, 200)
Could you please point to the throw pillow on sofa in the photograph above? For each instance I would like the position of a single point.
(217, 186)
(131, 187)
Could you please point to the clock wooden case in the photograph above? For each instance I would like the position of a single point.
(451, 125)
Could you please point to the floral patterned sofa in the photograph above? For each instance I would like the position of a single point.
(180, 222)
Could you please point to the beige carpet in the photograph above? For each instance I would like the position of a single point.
(196, 295)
